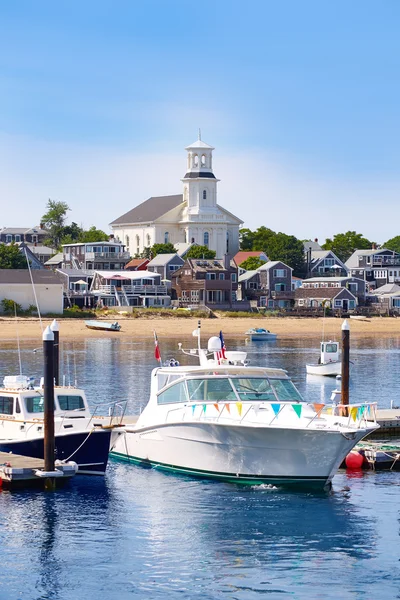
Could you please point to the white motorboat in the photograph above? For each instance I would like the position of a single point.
(261, 335)
(230, 421)
(329, 363)
(80, 435)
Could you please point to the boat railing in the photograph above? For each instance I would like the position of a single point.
(116, 410)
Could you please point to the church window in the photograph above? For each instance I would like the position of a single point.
(203, 160)
(192, 241)
(127, 241)
(227, 242)
(137, 244)
(204, 194)
(206, 238)
(166, 237)
(148, 240)
(195, 160)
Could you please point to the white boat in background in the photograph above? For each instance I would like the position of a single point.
(329, 363)
(226, 420)
(260, 334)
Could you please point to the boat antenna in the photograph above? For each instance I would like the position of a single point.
(323, 324)
(19, 349)
(73, 351)
(34, 290)
(198, 335)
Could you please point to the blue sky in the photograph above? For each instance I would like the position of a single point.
(300, 99)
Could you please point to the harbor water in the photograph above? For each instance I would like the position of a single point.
(143, 534)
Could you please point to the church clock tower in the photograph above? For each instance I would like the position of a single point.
(199, 182)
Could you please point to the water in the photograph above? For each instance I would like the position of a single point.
(142, 534)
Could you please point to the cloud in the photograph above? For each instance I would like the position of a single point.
(101, 183)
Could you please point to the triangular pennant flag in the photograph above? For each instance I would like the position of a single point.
(361, 411)
(276, 408)
(216, 406)
(239, 407)
(318, 408)
(204, 408)
(369, 409)
(297, 409)
(193, 409)
(353, 412)
(228, 408)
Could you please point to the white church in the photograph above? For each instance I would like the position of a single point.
(191, 217)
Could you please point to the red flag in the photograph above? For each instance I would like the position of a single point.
(157, 353)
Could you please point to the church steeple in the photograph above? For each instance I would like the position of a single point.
(199, 182)
(199, 159)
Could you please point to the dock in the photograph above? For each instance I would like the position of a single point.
(23, 471)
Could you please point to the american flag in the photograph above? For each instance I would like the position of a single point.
(221, 353)
(157, 353)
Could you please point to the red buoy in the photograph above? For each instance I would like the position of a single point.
(354, 460)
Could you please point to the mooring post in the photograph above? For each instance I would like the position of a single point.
(345, 362)
(56, 330)
(48, 392)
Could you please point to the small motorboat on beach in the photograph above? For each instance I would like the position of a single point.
(103, 325)
(261, 335)
(329, 363)
(226, 420)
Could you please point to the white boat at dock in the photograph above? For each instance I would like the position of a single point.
(80, 435)
(103, 325)
(230, 421)
(260, 334)
(329, 363)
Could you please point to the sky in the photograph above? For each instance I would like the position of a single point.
(300, 100)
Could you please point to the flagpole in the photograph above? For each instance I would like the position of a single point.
(157, 353)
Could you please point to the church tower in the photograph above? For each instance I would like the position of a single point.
(199, 182)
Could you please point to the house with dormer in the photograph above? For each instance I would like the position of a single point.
(194, 216)
(270, 285)
(325, 262)
(376, 266)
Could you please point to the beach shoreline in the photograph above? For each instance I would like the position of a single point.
(30, 328)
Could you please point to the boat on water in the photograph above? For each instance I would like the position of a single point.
(80, 435)
(260, 334)
(103, 325)
(224, 419)
(329, 363)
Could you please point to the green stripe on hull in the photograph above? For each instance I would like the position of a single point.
(318, 482)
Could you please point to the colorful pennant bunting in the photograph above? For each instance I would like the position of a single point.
(228, 408)
(297, 409)
(193, 409)
(204, 408)
(353, 413)
(318, 409)
(216, 407)
(239, 407)
(276, 408)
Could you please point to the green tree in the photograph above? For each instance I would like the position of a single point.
(262, 238)
(92, 235)
(252, 263)
(200, 252)
(11, 257)
(72, 232)
(54, 221)
(393, 244)
(162, 249)
(344, 244)
(246, 239)
(288, 249)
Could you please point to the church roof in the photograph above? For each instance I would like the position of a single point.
(197, 174)
(149, 210)
(199, 144)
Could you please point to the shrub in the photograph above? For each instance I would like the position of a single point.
(9, 307)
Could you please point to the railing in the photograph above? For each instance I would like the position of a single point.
(106, 289)
(383, 261)
(145, 290)
(283, 294)
(107, 255)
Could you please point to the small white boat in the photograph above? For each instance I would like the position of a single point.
(237, 423)
(103, 325)
(80, 435)
(260, 334)
(329, 363)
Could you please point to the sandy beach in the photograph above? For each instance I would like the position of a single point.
(175, 327)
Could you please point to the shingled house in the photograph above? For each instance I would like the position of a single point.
(270, 285)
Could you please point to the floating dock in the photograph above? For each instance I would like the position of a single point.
(23, 471)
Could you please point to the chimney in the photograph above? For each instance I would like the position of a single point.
(227, 262)
(316, 240)
(374, 246)
(41, 225)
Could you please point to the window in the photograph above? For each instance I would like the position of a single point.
(6, 405)
(214, 296)
(233, 277)
(8, 239)
(329, 262)
(203, 390)
(175, 393)
(222, 276)
(127, 241)
(166, 237)
(34, 239)
(194, 296)
(71, 402)
(280, 272)
(300, 302)
(206, 238)
(271, 303)
(148, 240)
(352, 304)
(137, 244)
(234, 296)
(338, 303)
(173, 267)
(263, 300)
(280, 287)
(330, 348)
(34, 404)
(211, 276)
(17, 238)
(253, 388)
(285, 390)
(204, 194)
(227, 242)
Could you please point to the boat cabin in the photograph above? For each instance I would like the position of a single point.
(329, 352)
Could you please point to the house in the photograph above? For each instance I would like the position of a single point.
(76, 285)
(356, 285)
(33, 235)
(16, 284)
(270, 285)
(104, 256)
(129, 288)
(386, 299)
(191, 217)
(55, 261)
(165, 265)
(241, 256)
(137, 264)
(336, 298)
(325, 262)
(210, 283)
(376, 266)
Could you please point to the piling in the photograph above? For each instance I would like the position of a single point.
(56, 330)
(48, 392)
(345, 362)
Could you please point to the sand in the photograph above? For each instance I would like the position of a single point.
(181, 327)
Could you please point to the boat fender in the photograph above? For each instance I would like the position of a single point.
(354, 460)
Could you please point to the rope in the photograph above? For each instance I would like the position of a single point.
(79, 447)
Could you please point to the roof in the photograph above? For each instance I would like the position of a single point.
(309, 245)
(388, 288)
(330, 292)
(75, 272)
(247, 275)
(55, 260)
(272, 263)
(352, 261)
(183, 247)
(212, 264)
(163, 259)
(199, 144)
(136, 262)
(127, 274)
(105, 243)
(328, 278)
(149, 210)
(24, 230)
(242, 256)
(39, 276)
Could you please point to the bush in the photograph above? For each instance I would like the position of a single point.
(9, 307)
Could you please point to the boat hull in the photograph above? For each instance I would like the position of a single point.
(263, 337)
(88, 449)
(330, 369)
(239, 454)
